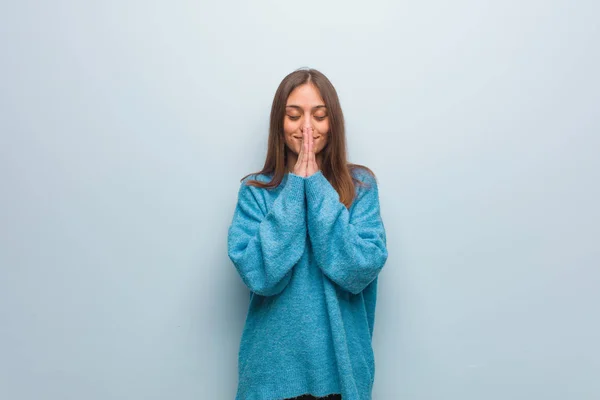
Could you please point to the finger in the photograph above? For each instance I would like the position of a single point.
(307, 149)
(301, 153)
(306, 142)
(311, 153)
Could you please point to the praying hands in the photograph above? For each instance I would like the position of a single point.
(307, 163)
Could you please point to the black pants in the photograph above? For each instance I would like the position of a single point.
(310, 397)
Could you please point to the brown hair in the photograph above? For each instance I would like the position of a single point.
(334, 164)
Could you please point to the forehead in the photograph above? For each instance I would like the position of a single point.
(305, 95)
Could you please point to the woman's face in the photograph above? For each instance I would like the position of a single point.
(305, 108)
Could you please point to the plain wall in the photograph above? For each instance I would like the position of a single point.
(126, 126)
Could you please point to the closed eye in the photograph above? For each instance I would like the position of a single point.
(296, 117)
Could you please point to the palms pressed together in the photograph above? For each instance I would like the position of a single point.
(307, 161)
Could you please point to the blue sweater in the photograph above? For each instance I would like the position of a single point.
(311, 266)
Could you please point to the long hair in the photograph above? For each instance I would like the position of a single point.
(334, 166)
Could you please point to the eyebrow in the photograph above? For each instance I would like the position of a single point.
(300, 108)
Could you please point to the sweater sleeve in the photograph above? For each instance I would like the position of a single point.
(349, 245)
(265, 247)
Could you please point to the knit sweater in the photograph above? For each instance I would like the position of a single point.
(311, 266)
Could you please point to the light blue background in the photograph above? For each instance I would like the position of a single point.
(126, 126)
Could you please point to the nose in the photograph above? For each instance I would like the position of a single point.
(307, 125)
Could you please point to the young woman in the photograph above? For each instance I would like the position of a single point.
(308, 241)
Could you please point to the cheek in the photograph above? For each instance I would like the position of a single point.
(289, 126)
(324, 127)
